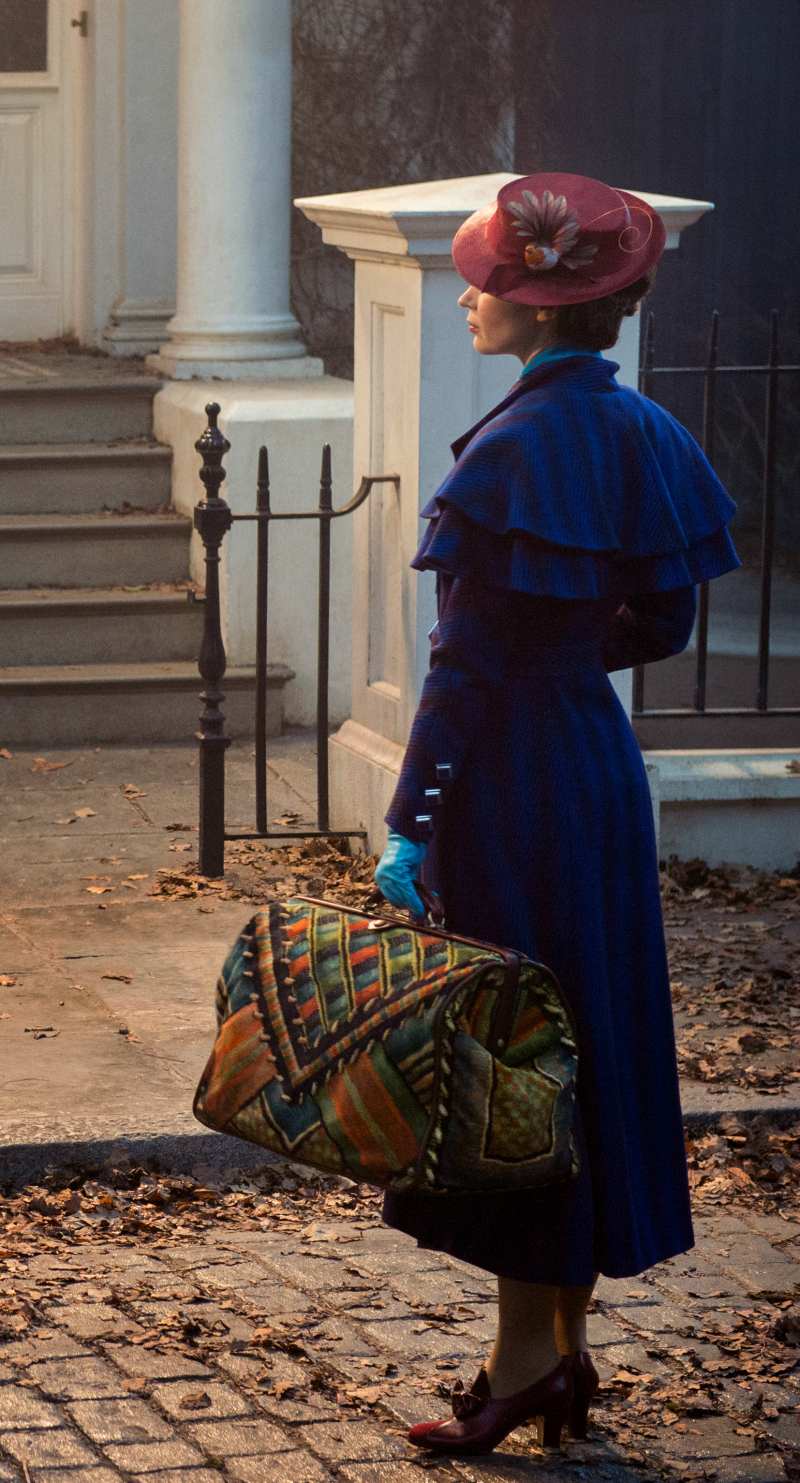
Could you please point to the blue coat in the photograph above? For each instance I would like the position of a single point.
(567, 540)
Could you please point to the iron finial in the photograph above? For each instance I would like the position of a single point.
(212, 445)
(325, 480)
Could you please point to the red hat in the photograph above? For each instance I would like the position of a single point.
(558, 239)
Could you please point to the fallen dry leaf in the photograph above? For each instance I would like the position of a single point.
(122, 978)
(6, 980)
(42, 765)
(131, 791)
(368, 1393)
(85, 813)
(43, 1206)
(280, 1389)
(4, 752)
(5, 1016)
(138, 877)
(198, 1400)
(98, 890)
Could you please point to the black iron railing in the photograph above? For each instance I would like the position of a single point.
(710, 372)
(213, 519)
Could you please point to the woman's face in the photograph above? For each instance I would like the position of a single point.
(502, 327)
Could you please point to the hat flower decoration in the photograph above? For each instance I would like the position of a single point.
(558, 239)
(554, 229)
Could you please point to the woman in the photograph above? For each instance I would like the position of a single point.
(567, 542)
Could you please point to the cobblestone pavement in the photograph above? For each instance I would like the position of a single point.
(232, 1332)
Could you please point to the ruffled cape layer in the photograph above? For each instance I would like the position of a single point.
(578, 487)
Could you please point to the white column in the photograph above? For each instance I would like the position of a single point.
(141, 88)
(233, 317)
(418, 385)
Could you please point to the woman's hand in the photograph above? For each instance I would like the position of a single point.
(395, 871)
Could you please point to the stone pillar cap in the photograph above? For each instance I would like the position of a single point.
(420, 221)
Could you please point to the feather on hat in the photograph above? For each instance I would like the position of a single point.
(558, 239)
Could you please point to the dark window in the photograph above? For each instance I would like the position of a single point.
(23, 35)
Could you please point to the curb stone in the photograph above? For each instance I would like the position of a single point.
(24, 1163)
(179, 1153)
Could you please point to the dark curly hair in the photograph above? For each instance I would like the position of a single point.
(596, 325)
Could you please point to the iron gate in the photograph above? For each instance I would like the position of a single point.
(213, 519)
(710, 371)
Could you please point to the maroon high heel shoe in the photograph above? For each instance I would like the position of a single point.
(480, 1422)
(585, 1384)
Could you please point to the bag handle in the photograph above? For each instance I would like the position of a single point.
(503, 1016)
(432, 903)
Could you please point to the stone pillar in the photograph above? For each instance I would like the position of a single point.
(418, 385)
(145, 98)
(233, 317)
(235, 341)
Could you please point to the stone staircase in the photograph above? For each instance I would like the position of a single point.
(100, 626)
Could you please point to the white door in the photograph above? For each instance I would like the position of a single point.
(35, 171)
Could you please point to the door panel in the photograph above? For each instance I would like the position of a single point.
(32, 184)
(20, 149)
(23, 35)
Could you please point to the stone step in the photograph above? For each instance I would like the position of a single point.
(728, 806)
(98, 550)
(76, 478)
(77, 411)
(91, 626)
(132, 704)
(732, 682)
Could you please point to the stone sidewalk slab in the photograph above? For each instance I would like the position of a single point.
(88, 1058)
(109, 1016)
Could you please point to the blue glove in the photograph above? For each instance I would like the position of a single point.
(395, 871)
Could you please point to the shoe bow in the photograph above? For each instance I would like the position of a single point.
(464, 1402)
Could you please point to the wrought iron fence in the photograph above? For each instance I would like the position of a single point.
(213, 519)
(710, 373)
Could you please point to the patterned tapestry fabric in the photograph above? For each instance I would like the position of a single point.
(359, 1046)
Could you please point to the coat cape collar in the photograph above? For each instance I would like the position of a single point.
(575, 486)
(587, 372)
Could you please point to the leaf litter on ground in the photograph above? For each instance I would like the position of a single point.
(733, 936)
(259, 874)
(755, 1380)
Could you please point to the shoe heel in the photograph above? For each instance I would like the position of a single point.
(549, 1428)
(579, 1420)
